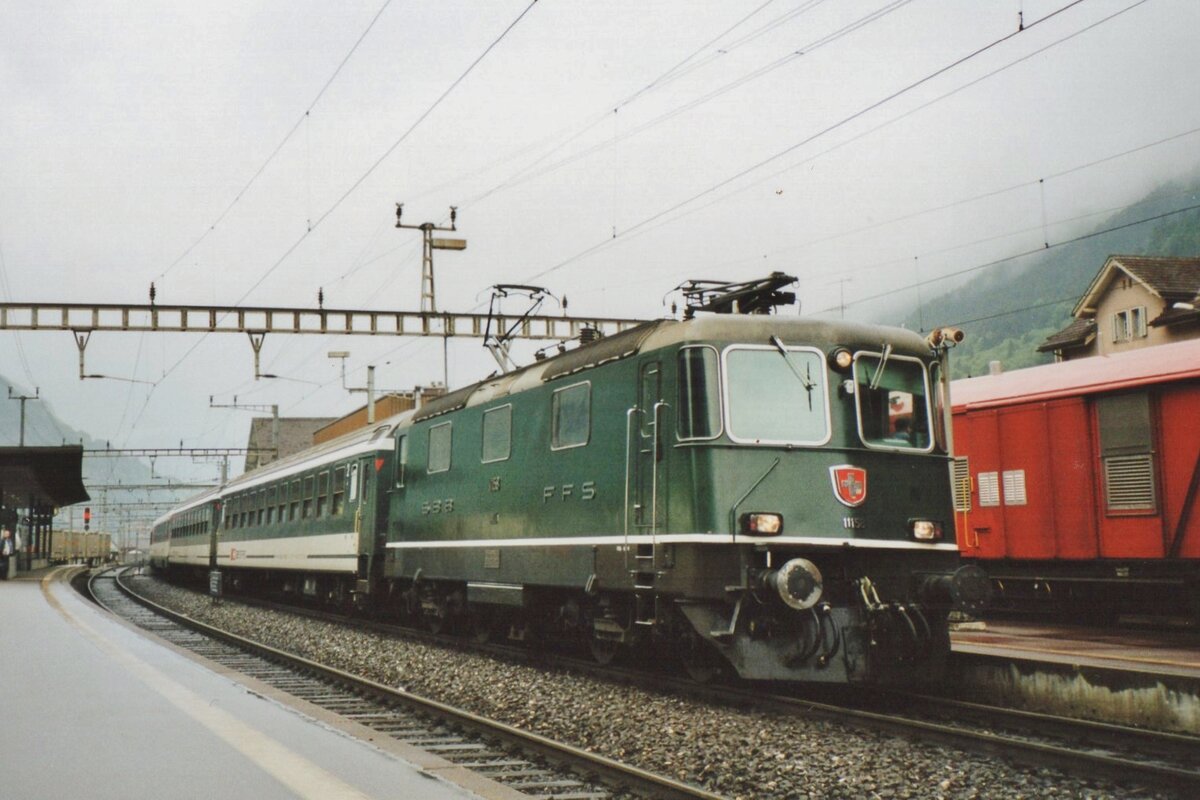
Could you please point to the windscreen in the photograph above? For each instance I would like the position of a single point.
(776, 396)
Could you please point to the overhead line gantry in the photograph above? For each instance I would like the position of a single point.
(84, 319)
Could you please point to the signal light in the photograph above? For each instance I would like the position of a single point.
(87, 518)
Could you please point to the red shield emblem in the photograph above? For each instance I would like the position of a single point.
(849, 484)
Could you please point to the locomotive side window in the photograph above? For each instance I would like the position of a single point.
(439, 447)
(353, 482)
(776, 396)
(699, 394)
(497, 434)
(401, 459)
(893, 402)
(1126, 450)
(571, 416)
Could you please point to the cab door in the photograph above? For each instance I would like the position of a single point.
(649, 486)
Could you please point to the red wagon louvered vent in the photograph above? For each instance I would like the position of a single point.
(1129, 482)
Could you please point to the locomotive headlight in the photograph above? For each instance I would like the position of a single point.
(758, 523)
(925, 530)
(841, 359)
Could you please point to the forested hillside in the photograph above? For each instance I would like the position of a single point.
(1011, 308)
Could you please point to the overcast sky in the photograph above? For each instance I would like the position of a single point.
(253, 152)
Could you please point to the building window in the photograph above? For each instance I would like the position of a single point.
(497, 434)
(571, 416)
(1129, 324)
(439, 447)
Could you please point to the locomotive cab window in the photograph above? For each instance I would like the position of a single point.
(571, 416)
(497, 434)
(776, 396)
(699, 394)
(892, 399)
(439, 447)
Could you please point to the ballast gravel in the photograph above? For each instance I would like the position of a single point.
(742, 754)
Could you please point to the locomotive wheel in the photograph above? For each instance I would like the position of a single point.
(603, 650)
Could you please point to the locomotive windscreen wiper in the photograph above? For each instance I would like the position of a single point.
(808, 383)
(883, 359)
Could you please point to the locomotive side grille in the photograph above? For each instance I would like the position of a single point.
(1129, 483)
(960, 483)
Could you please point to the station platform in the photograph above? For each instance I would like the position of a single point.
(1158, 652)
(92, 707)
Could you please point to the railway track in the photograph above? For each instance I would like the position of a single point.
(1130, 756)
(527, 763)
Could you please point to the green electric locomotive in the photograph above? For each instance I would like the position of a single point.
(749, 493)
(764, 493)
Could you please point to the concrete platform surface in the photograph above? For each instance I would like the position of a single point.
(1160, 652)
(90, 708)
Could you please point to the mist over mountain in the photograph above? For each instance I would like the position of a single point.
(1010, 308)
(101, 476)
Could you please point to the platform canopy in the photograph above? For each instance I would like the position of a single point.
(50, 475)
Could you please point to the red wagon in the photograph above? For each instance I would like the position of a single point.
(1076, 483)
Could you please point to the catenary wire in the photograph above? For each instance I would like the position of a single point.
(806, 140)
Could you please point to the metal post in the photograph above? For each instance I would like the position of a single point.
(23, 397)
(274, 430)
(370, 395)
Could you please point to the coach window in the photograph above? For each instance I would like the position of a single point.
(439, 447)
(294, 500)
(1126, 450)
(892, 398)
(260, 502)
(322, 493)
(353, 479)
(401, 460)
(306, 505)
(271, 506)
(699, 394)
(571, 416)
(281, 515)
(339, 491)
(497, 434)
